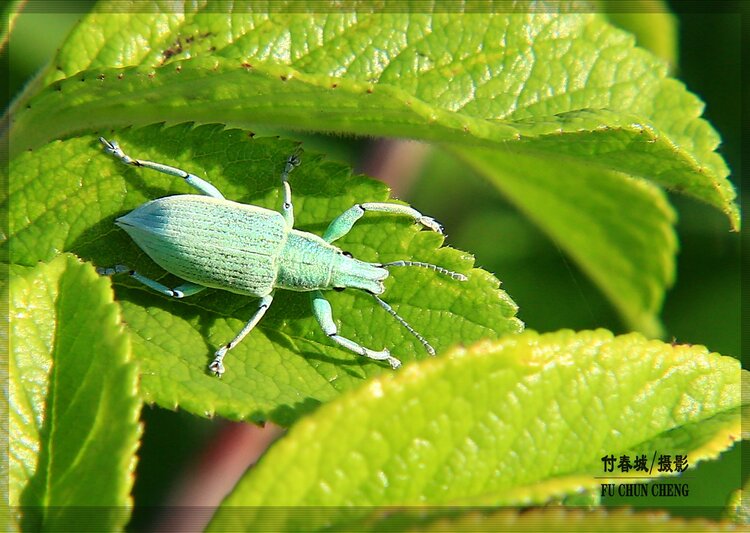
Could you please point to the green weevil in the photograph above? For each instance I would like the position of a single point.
(210, 241)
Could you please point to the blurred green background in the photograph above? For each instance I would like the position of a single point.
(704, 307)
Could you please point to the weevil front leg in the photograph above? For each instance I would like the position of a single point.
(217, 366)
(287, 208)
(344, 222)
(111, 147)
(324, 314)
(181, 291)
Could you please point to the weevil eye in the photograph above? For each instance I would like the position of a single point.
(339, 289)
(347, 254)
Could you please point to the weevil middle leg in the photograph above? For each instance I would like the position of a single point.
(202, 185)
(217, 366)
(324, 314)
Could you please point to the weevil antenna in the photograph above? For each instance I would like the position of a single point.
(394, 314)
(455, 275)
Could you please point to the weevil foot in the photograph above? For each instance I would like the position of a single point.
(217, 367)
(111, 147)
(111, 271)
(431, 223)
(294, 159)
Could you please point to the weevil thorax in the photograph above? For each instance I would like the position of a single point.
(307, 262)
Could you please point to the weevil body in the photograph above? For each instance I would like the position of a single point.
(210, 241)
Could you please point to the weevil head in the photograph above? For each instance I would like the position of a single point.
(349, 272)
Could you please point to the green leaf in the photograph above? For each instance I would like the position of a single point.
(619, 230)
(73, 400)
(738, 506)
(65, 197)
(440, 519)
(509, 422)
(239, 84)
(10, 16)
(562, 87)
(654, 26)
(384, 74)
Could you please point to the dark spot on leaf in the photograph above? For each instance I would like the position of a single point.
(120, 76)
(173, 50)
(100, 76)
(283, 78)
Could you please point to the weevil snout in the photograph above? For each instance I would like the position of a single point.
(350, 272)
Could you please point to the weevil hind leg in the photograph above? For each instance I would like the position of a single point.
(111, 147)
(181, 291)
(324, 314)
(342, 224)
(217, 365)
